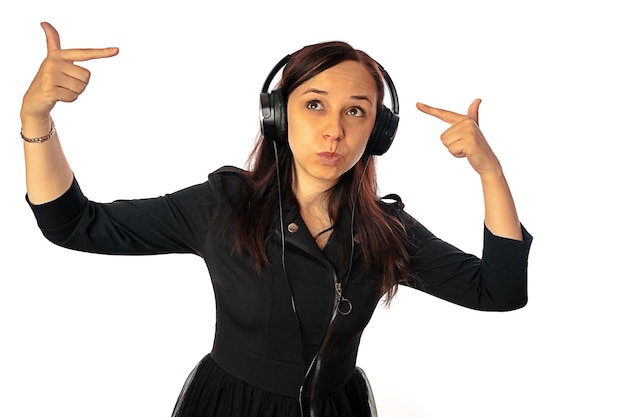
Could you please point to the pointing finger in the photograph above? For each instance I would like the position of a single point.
(53, 41)
(472, 112)
(445, 115)
(87, 54)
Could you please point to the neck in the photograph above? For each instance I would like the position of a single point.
(314, 204)
(312, 196)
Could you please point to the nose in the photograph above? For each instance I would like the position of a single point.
(333, 127)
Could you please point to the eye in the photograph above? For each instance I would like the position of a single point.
(356, 111)
(313, 105)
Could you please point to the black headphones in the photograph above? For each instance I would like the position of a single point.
(273, 114)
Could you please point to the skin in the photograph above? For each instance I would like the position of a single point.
(330, 118)
(48, 174)
(333, 112)
(464, 139)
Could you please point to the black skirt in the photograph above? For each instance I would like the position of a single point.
(210, 391)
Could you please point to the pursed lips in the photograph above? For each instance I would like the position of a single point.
(329, 158)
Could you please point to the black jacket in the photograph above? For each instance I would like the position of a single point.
(260, 336)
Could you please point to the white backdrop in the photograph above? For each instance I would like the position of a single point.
(90, 335)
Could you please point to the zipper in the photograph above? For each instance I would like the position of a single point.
(315, 364)
(342, 306)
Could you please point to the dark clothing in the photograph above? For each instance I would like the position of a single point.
(212, 392)
(262, 340)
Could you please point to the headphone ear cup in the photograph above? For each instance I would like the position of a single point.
(384, 132)
(273, 111)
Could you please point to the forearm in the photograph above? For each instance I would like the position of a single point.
(500, 213)
(48, 174)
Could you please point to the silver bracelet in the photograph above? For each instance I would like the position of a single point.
(40, 139)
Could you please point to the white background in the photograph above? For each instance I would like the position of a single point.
(90, 335)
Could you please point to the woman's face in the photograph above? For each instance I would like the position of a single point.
(330, 118)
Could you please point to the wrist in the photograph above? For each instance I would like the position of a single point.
(492, 176)
(39, 139)
(34, 127)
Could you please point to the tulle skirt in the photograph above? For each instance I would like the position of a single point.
(210, 391)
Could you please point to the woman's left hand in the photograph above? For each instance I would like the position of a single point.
(464, 138)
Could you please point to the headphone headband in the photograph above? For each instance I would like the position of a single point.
(393, 94)
(274, 71)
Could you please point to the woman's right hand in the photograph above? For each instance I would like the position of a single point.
(58, 78)
(48, 174)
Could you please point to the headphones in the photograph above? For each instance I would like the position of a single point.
(273, 114)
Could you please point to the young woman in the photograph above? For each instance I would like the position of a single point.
(299, 247)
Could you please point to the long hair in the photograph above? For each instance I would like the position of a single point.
(381, 235)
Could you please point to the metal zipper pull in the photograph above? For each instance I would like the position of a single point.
(345, 306)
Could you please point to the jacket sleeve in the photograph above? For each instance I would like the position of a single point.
(173, 223)
(495, 282)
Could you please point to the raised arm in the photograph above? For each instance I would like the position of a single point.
(48, 174)
(464, 139)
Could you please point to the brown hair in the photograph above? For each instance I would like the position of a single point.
(382, 236)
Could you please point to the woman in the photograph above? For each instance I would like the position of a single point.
(300, 248)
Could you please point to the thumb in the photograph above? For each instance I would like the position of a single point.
(53, 41)
(472, 112)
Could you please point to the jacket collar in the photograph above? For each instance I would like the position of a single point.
(337, 250)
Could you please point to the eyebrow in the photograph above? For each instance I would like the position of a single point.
(322, 92)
